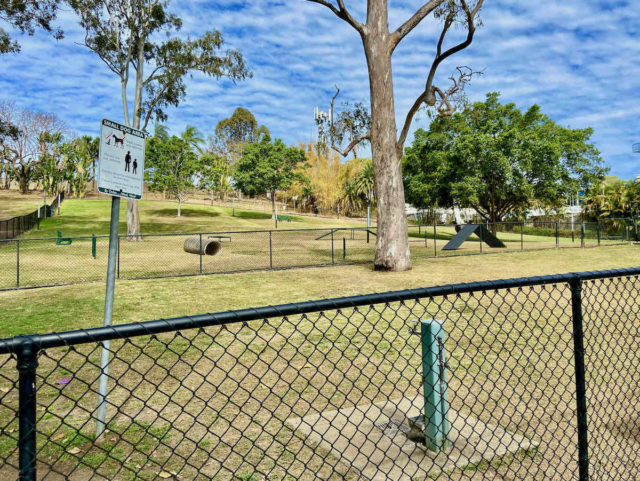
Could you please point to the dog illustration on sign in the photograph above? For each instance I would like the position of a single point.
(117, 140)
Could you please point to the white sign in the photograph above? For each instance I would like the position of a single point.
(121, 160)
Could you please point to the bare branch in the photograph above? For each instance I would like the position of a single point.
(341, 12)
(422, 98)
(404, 29)
(428, 96)
(352, 144)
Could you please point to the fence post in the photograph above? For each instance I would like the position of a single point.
(332, 261)
(522, 235)
(435, 247)
(270, 252)
(481, 226)
(344, 248)
(200, 247)
(582, 234)
(18, 263)
(557, 238)
(598, 232)
(578, 350)
(27, 364)
(118, 265)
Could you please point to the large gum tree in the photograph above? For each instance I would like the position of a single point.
(392, 243)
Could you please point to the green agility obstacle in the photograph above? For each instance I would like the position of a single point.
(63, 241)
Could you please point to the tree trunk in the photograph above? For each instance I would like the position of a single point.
(273, 204)
(179, 205)
(23, 183)
(133, 215)
(392, 241)
(211, 198)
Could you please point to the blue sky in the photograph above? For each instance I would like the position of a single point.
(578, 59)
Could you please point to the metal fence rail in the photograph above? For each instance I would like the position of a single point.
(532, 378)
(35, 262)
(16, 226)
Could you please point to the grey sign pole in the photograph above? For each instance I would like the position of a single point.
(108, 314)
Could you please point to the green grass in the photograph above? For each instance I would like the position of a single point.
(13, 203)
(80, 306)
(91, 216)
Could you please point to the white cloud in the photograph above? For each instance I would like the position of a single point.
(578, 59)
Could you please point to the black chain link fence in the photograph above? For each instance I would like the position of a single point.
(533, 378)
(64, 260)
(15, 226)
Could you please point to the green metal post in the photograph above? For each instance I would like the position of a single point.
(522, 235)
(557, 236)
(18, 263)
(200, 248)
(332, 261)
(435, 247)
(344, 248)
(27, 364)
(436, 406)
(581, 391)
(93, 246)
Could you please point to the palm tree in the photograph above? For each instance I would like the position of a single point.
(194, 137)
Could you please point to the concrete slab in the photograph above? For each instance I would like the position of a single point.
(372, 440)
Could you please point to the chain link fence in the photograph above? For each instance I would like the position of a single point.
(39, 262)
(532, 378)
(16, 226)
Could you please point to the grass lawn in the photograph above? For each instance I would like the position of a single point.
(510, 365)
(177, 397)
(80, 306)
(91, 216)
(13, 203)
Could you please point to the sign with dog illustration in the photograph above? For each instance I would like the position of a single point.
(121, 160)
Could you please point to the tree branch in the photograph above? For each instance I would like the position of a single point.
(341, 12)
(404, 29)
(428, 95)
(352, 144)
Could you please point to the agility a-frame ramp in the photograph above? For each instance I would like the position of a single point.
(467, 231)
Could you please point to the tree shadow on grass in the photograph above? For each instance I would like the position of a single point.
(245, 214)
(186, 212)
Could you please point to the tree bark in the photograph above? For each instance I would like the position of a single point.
(134, 232)
(273, 204)
(179, 206)
(392, 241)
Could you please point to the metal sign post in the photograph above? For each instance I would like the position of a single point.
(120, 173)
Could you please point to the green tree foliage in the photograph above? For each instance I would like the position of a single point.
(79, 161)
(49, 171)
(214, 176)
(613, 199)
(267, 167)
(233, 133)
(26, 16)
(171, 166)
(499, 161)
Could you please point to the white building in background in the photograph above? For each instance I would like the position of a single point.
(446, 215)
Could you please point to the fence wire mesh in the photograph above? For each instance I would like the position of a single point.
(332, 389)
(32, 262)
